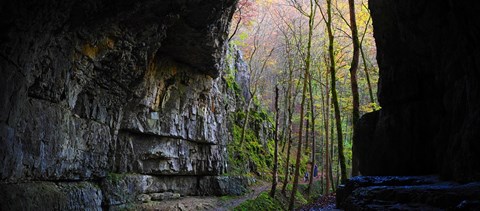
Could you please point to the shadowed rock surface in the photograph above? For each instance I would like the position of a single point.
(429, 90)
(407, 193)
(106, 102)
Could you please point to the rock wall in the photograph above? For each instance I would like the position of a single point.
(94, 90)
(407, 193)
(429, 90)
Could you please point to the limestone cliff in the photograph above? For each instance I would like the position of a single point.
(107, 100)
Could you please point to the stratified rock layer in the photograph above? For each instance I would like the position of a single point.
(429, 91)
(51, 196)
(407, 193)
(98, 89)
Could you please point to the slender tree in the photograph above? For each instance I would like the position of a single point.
(326, 120)
(312, 119)
(332, 155)
(289, 146)
(353, 80)
(367, 76)
(299, 148)
(331, 40)
(311, 22)
(275, 155)
(365, 65)
(307, 127)
(290, 103)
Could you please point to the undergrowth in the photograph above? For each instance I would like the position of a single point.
(254, 156)
(280, 202)
(262, 202)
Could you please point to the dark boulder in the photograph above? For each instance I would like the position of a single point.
(407, 193)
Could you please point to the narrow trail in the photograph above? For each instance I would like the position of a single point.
(323, 203)
(302, 181)
(254, 192)
(210, 203)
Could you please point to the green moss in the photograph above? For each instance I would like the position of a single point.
(233, 85)
(262, 202)
(115, 177)
(315, 193)
(229, 76)
(300, 198)
(249, 154)
(227, 198)
(252, 156)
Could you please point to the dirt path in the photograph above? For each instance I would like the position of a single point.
(208, 202)
(323, 203)
(234, 202)
(302, 181)
(212, 203)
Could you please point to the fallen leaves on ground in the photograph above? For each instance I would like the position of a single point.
(325, 202)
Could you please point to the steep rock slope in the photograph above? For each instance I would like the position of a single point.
(429, 90)
(108, 100)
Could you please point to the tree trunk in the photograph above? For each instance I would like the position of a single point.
(289, 146)
(275, 156)
(332, 155)
(326, 119)
(285, 122)
(353, 79)
(365, 65)
(302, 104)
(367, 75)
(307, 135)
(338, 122)
(290, 104)
(313, 135)
(287, 165)
(299, 148)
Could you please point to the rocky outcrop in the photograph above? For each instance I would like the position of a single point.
(429, 122)
(407, 193)
(121, 189)
(91, 89)
(51, 196)
(429, 91)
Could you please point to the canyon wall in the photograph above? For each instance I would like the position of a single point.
(106, 102)
(429, 91)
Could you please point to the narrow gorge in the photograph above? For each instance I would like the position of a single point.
(114, 104)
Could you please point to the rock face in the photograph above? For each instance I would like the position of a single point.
(122, 189)
(92, 90)
(51, 196)
(407, 193)
(429, 90)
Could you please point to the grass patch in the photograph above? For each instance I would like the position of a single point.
(262, 202)
(315, 193)
(227, 198)
(281, 201)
